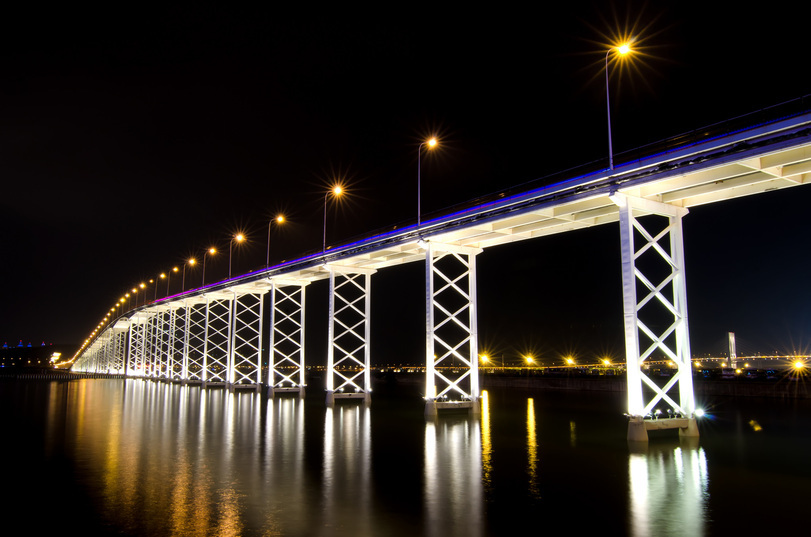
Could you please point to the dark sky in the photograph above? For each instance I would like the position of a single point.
(133, 138)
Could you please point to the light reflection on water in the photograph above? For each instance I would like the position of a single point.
(668, 486)
(453, 494)
(346, 478)
(159, 459)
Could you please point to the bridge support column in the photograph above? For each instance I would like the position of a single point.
(121, 331)
(195, 339)
(733, 355)
(451, 332)
(655, 271)
(163, 342)
(139, 340)
(184, 343)
(174, 348)
(349, 316)
(245, 347)
(286, 359)
(217, 337)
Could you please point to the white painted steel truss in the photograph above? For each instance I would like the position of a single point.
(245, 348)
(451, 372)
(177, 337)
(117, 349)
(162, 334)
(348, 347)
(286, 363)
(107, 354)
(195, 341)
(655, 304)
(136, 357)
(217, 338)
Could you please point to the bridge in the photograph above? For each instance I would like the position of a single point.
(215, 334)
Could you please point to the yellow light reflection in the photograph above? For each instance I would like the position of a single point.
(487, 441)
(532, 449)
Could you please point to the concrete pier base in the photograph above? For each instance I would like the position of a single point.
(638, 427)
(432, 407)
(272, 392)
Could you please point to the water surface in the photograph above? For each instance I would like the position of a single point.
(142, 458)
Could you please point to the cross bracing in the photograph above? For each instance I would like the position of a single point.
(348, 351)
(195, 340)
(286, 361)
(766, 157)
(177, 339)
(217, 343)
(451, 331)
(245, 359)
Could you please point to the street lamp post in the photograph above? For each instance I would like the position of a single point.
(336, 192)
(280, 220)
(192, 261)
(159, 277)
(239, 237)
(431, 144)
(211, 251)
(174, 269)
(622, 50)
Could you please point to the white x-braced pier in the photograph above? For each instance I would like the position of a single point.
(451, 335)
(348, 374)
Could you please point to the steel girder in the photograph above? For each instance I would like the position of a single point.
(349, 324)
(451, 332)
(286, 363)
(656, 325)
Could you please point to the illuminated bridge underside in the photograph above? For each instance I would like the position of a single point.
(761, 159)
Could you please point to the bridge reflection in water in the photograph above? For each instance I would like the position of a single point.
(160, 459)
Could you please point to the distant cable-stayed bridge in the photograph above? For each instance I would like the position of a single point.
(215, 335)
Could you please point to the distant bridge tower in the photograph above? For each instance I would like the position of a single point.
(733, 357)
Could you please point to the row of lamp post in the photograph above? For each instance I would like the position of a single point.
(336, 192)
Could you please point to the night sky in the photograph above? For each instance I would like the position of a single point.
(133, 138)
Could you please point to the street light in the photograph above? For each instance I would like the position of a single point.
(174, 269)
(279, 220)
(160, 276)
(239, 238)
(431, 144)
(622, 50)
(192, 261)
(336, 192)
(211, 251)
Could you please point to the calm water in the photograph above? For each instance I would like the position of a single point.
(142, 458)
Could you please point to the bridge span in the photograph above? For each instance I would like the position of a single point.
(215, 335)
